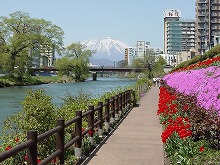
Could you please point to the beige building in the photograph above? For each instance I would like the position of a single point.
(207, 24)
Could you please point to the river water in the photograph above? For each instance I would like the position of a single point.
(11, 97)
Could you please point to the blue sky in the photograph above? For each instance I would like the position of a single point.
(125, 20)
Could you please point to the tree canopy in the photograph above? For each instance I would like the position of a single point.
(153, 64)
(20, 35)
(75, 62)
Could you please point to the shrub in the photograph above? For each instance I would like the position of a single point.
(211, 53)
(39, 114)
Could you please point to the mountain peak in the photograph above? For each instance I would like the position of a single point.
(108, 48)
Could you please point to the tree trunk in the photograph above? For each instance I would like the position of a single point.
(12, 67)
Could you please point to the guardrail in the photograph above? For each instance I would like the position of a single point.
(106, 113)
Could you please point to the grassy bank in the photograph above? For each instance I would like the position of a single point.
(6, 81)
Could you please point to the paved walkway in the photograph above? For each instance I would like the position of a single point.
(137, 139)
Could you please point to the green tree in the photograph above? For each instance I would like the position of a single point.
(159, 67)
(19, 35)
(64, 65)
(153, 65)
(38, 113)
(75, 62)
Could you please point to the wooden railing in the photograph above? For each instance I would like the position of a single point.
(107, 112)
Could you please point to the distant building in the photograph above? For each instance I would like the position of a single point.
(43, 57)
(141, 48)
(130, 55)
(188, 35)
(207, 24)
(172, 31)
(179, 37)
(179, 34)
(170, 59)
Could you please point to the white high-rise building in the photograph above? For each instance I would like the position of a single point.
(141, 49)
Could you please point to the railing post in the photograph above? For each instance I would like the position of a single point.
(91, 124)
(129, 99)
(134, 100)
(107, 114)
(60, 140)
(123, 100)
(116, 108)
(32, 150)
(112, 119)
(120, 103)
(100, 118)
(126, 98)
(78, 132)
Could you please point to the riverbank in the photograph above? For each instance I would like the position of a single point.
(6, 81)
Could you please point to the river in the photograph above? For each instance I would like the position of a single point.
(11, 97)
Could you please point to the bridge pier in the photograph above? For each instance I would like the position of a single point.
(102, 73)
(94, 76)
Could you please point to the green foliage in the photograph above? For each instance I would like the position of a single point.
(38, 112)
(20, 35)
(64, 65)
(154, 65)
(211, 53)
(86, 145)
(97, 139)
(72, 103)
(75, 63)
(48, 79)
(7, 81)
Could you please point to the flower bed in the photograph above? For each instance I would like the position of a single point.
(204, 84)
(189, 109)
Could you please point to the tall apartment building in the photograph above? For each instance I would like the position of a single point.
(207, 24)
(179, 37)
(172, 31)
(179, 34)
(188, 35)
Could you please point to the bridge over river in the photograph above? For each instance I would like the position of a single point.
(95, 70)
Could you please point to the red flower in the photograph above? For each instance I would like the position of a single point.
(83, 129)
(186, 119)
(26, 158)
(17, 139)
(185, 107)
(164, 140)
(202, 149)
(90, 132)
(8, 148)
(170, 120)
(53, 161)
(188, 125)
(38, 161)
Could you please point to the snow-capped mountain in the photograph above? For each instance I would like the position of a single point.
(106, 48)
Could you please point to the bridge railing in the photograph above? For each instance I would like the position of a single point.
(97, 117)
